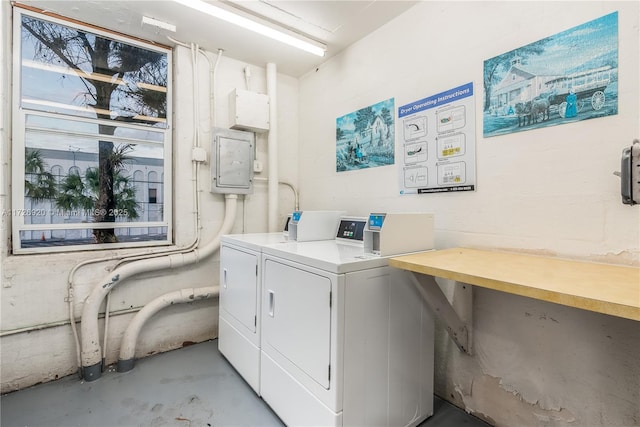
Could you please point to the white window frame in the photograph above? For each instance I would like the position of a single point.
(19, 127)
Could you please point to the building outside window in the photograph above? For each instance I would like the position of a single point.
(90, 135)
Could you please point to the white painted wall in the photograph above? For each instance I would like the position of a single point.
(34, 287)
(546, 191)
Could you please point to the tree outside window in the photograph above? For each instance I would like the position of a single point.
(95, 106)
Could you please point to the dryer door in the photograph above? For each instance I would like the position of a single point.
(239, 285)
(297, 318)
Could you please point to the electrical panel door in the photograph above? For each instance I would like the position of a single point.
(232, 154)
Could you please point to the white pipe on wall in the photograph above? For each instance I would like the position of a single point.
(126, 359)
(296, 199)
(272, 152)
(213, 80)
(90, 354)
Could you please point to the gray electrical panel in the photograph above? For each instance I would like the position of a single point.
(232, 153)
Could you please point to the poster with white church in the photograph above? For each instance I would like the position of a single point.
(564, 78)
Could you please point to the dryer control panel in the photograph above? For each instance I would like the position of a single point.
(351, 230)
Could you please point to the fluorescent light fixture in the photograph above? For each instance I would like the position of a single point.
(158, 24)
(280, 35)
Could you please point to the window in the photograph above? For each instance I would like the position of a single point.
(91, 110)
(153, 195)
(56, 171)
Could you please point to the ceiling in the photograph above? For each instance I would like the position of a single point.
(337, 24)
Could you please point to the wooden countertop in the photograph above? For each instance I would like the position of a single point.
(603, 288)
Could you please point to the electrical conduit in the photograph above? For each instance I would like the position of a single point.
(128, 345)
(91, 354)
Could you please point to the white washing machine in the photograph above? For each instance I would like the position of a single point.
(346, 340)
(240, 304)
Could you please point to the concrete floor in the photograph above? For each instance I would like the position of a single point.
(193, 386)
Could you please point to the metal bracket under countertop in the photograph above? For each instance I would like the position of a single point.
(457, 316)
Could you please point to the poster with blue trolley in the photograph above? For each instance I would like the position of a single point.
(437, 135)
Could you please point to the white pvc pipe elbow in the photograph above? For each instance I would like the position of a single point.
(91, 351)
(128, 345)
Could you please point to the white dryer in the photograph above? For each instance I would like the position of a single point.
(346, 340)
(241, 280)
(240, 304)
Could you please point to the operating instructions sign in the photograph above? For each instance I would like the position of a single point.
(438, 143)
